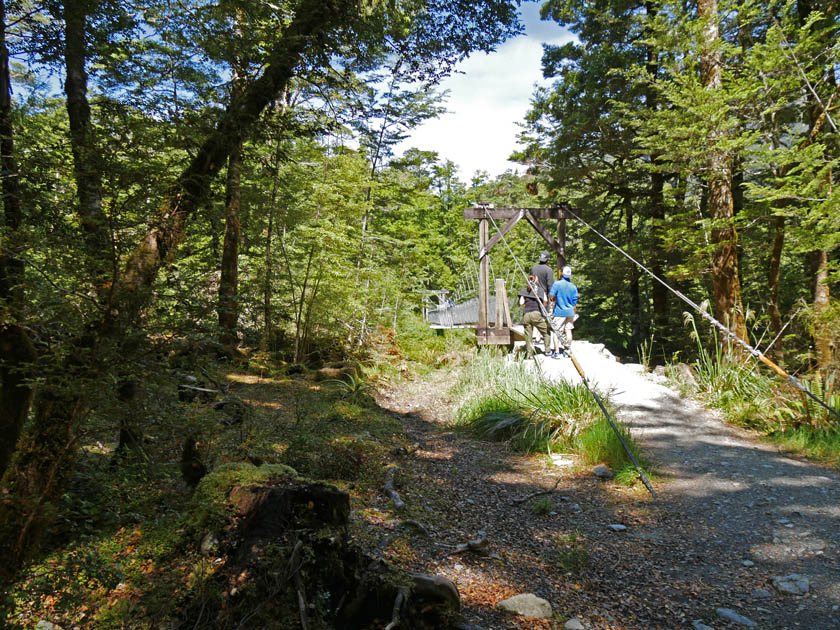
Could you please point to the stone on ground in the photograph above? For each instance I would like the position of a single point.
(699, 625)
(602, 472)
(527, 605)
(574, 624)
(731, 615)
(793, 584)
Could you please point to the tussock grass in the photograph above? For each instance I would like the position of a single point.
(751, 398)
(508, 401)
(822, 444)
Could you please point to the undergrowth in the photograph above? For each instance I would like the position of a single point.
(508, 401)
(750, 397)
(126, 535)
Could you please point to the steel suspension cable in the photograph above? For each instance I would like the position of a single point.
(708, 317)
(576, 364)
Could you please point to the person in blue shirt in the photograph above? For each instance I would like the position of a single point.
(564, 296)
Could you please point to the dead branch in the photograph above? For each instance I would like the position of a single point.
(395, 615)
(418, 526)
(294, 567)
(479, 545)
(389, 488)
(538, 494)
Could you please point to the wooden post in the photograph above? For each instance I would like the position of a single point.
(505, 306)
(500, 311)
(561, 243)
(483, 279)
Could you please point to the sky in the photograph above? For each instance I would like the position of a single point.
(488, 100)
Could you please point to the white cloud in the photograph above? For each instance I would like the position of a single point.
(487, 101)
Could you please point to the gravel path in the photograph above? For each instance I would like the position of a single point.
(744, 513)
(732, 514)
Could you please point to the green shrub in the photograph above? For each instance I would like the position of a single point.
(541, 506)
(569, 553)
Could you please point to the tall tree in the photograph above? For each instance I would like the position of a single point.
(726, 281)
(16, 350)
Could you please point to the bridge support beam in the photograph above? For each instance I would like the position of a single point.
(483, 276)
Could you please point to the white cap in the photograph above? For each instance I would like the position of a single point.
(567, 272)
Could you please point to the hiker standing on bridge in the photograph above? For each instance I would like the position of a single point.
(543, 272)
(529, 299)
(564, 295)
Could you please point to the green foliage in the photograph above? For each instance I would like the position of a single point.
(822, 443)
(569, 553)
(348, 458)
(417, 342)
(350, 387)
(541, 506)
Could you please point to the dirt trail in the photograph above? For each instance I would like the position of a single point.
(732, 514)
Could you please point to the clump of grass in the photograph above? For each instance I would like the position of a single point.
(569, 553)
(729, 383)
(507, 401)
(598, 443)
(759, 401)
(511, 403)
(541, 506)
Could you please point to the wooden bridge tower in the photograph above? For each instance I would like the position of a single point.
(502, 334)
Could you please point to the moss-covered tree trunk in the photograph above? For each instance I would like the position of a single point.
(822, 295)
(659, 293)
(228, 306)
(773, 282)
(87, 167)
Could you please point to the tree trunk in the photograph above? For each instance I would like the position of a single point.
(16, 350)
(726, 281)
(265, 342)
(44, 461)
(635, 296)
(773, 286)
(300, 307)
(87, 166)
(228, 307)
(822, 293)
(659, 293)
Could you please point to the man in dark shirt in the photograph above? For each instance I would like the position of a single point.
(529, 299)
(543, 272)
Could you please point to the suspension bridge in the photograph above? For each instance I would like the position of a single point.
(472, 305)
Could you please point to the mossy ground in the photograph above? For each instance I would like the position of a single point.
(127, 535)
